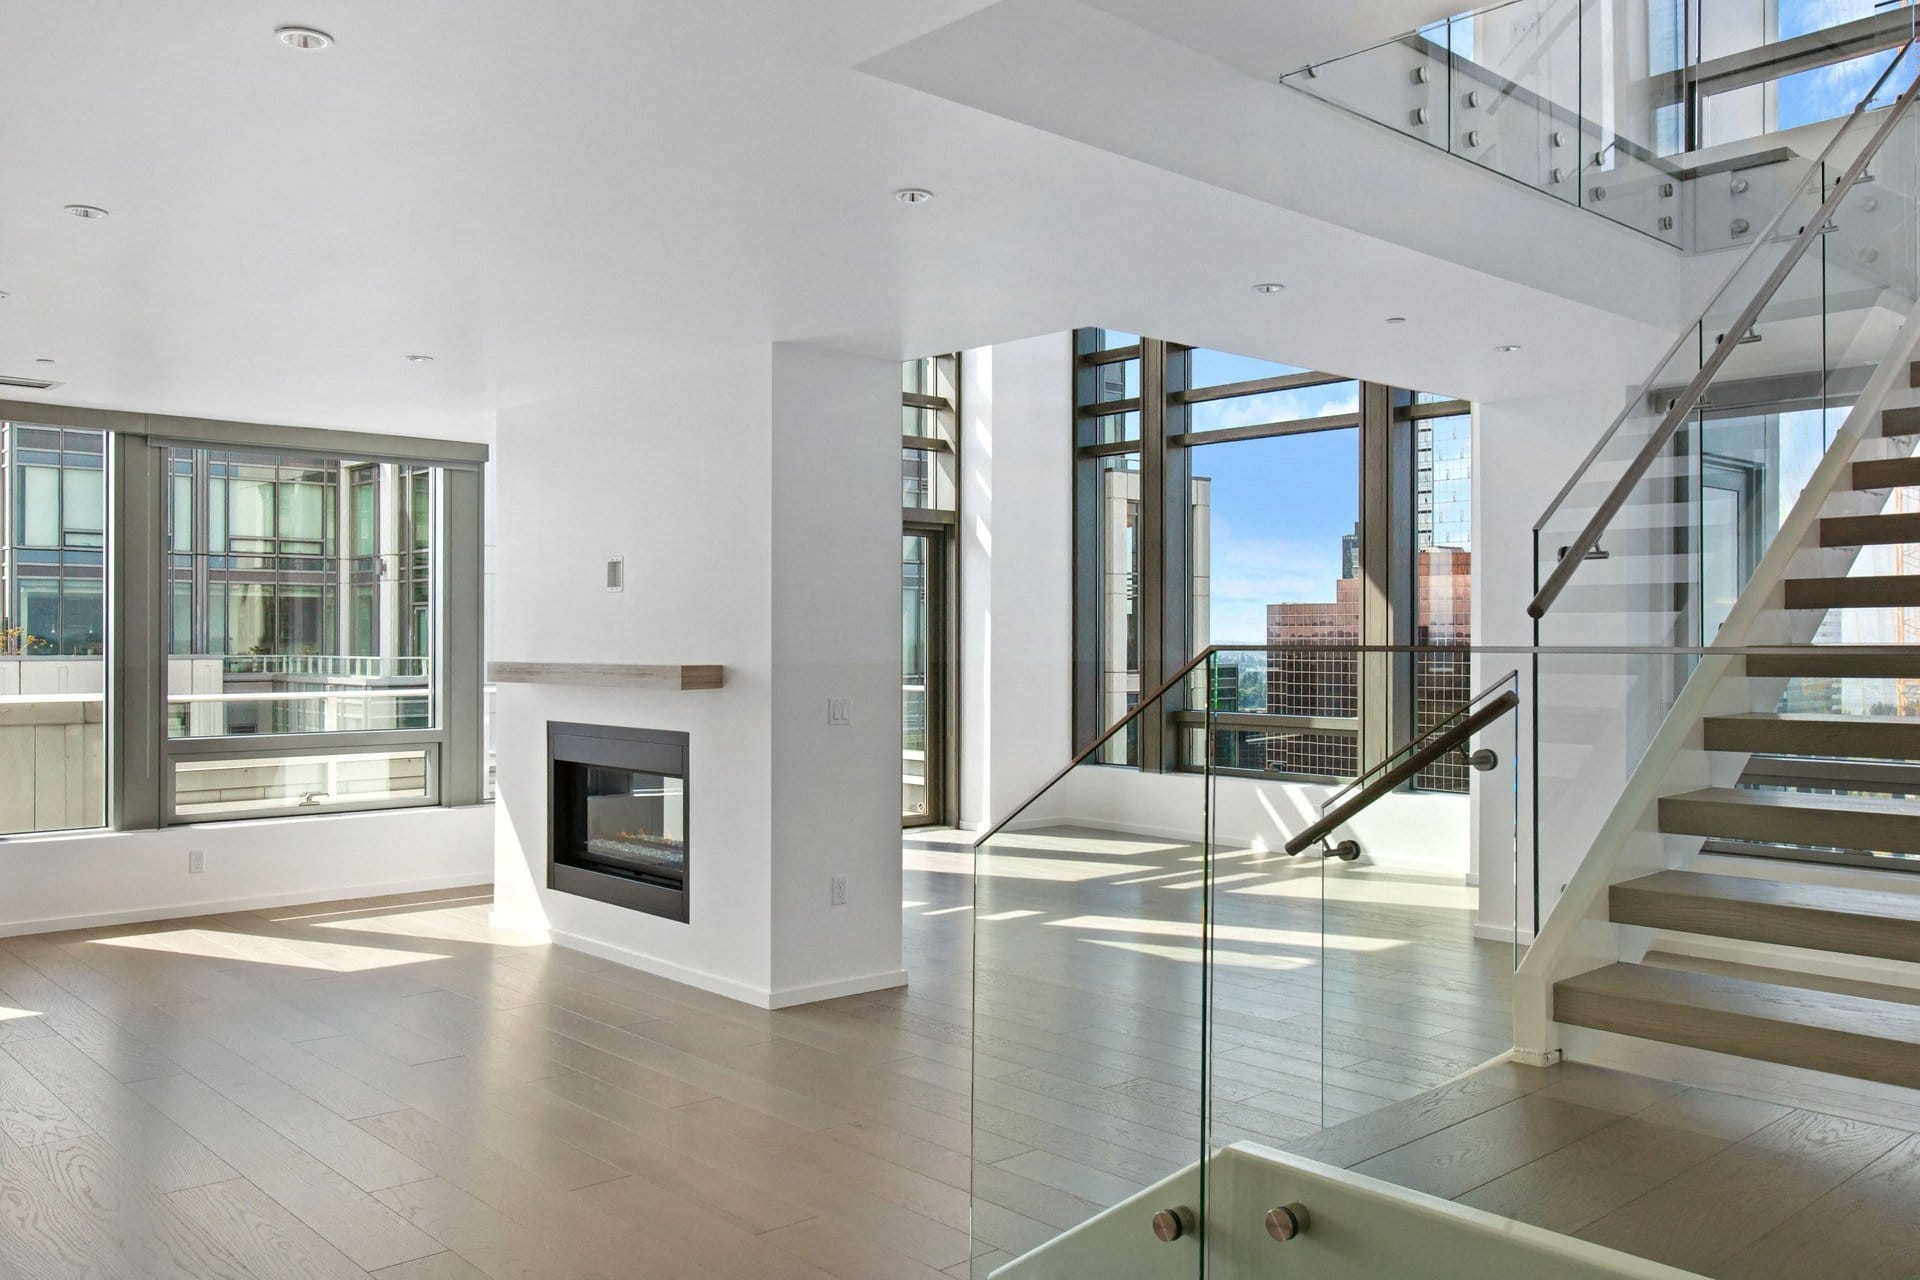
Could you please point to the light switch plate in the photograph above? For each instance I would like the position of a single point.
(839, 711)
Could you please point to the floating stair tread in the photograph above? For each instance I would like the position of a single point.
(1900, 422)
(1886, 473)
(1887, 590)
(1886, 529)
(1816, 734)
(1837, 661)
(1861, 922)
(1888, 824)
(1819, 1030)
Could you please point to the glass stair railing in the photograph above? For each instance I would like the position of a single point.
(1156, 979)
(1608, 106)
(1654, 536)
(1193, 1050)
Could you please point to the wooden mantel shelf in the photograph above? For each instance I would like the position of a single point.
(627, 675)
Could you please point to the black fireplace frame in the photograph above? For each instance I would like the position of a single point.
(661, 751)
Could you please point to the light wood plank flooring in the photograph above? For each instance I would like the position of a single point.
(391, 1087)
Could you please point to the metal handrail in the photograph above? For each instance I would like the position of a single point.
(1414, 743)
(1816, 226)
(1392, 778)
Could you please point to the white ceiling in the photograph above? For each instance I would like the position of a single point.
(1266, 38)
(528, 191)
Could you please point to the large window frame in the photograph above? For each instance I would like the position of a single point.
(141, 757)
(1133, 401)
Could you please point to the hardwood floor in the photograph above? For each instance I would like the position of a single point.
(391, 1087)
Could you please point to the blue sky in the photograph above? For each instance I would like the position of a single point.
(1280, 505)
(1825, 92)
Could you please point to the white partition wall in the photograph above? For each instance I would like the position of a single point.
(751, 491)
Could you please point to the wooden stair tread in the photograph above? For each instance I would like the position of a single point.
(1888, 824)
(1820, 1030)
(1886, 528)
(1886, 473)
(1816, 734)
(1785, 913)
(1835, 660)
(1873, 592)
(1900, 422)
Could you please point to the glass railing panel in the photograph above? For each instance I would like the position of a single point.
(1089, 1011)
(1352, 977)
(1402, 84)
(1516, 92)
(1266, 930)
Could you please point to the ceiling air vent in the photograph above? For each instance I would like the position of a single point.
(31, 384)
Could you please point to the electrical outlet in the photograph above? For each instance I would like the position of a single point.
(839, 711)
(837, 890)
(196, 861)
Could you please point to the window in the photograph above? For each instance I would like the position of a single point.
(1274, 562)
(53, 640)
(302, 605)
(1107, 400)
(1220, 499)
(1770, 65)
(1442, 579)
(929, 509)
(279, 629)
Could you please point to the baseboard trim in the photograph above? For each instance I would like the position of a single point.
(745, 993)
(251, 902)
(1503, 933)
(659, 968)
(813, 992)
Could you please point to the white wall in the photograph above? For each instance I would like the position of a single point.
(753, 491)
(68, 882)
(671, 469)
(1016, 572)
(836, 634)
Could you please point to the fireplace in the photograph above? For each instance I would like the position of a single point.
(617, 816)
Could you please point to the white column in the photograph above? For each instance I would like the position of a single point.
(836, 635)
(1016, 572)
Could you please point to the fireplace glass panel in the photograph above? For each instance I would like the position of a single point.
(636, 821)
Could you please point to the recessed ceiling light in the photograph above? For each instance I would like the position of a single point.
(1507, 346)
(1396, 319)
(1268, 287)
(306, 38)
(913, 195)
(86, 211)
(421, 359)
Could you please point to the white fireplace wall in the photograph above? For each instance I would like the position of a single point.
(671, 468)
(753, 490)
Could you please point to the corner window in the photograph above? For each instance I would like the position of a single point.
(1223, 499)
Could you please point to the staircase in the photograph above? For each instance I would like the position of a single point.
(1801, 789)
